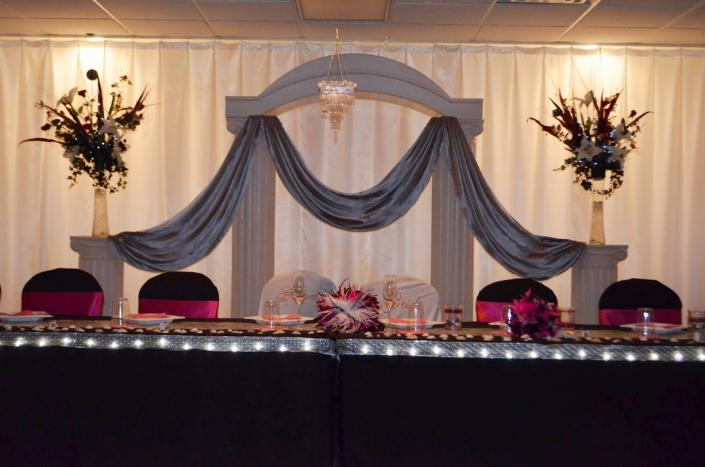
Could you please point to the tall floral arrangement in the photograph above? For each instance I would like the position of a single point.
(93, 131)
(597, 141)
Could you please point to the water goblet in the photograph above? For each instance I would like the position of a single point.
(696, 319)
(270, 311)
(389, 294)
(298, 292)
(416, 319)
(453, 316)
(507, 315)
(643, 319)
(121, 310)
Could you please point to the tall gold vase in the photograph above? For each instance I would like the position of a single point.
(100, 213)
(597, 218)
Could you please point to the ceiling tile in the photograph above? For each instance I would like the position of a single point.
(442, 2)
(57, 8)
(256, 29)
(696, 19)
(604, 35)
(535, 15)
(431, 33)
(70, 27)
(529, 34)
(7, 12)
(151, 27)
(14, 26)
(629, 17)
(437, 14)
(639, 4)
(152, 9)
(336, 10)
(218, 10)
(348, 32)
(692, 37)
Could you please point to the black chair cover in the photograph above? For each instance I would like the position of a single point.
(179, 285)
(510, 289)
(62, 280)
(638, 293)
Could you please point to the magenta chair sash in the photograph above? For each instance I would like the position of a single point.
(489, 312)
(619, 316)
(64, 303)
(186, 308)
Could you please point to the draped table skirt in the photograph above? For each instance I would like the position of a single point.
(226, 393)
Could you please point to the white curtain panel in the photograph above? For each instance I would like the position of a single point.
(658, 212)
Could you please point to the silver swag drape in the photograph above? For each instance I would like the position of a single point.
(197, 229)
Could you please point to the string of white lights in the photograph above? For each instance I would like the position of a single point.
(352, 346)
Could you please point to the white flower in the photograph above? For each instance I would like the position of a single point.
(111, 127)
(118, 158)
(621, 132)
(67, 99)
(587, 100)
(586, 150)
(71, 153)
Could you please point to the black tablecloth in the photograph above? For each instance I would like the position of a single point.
(415, 411)
(130, 408)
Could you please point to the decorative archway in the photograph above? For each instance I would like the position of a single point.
(253, 229)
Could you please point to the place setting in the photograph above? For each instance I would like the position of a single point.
(25, 316)
(270, 316)
(122, 318)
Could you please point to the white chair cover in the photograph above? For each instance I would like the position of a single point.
(410, 289)
(274, 288)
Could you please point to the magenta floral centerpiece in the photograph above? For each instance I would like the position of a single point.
(532, 316)
(349, 309)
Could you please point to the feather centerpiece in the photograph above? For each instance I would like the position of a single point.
(349, 309)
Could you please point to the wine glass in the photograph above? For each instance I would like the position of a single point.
(389, 294)
(298, 293)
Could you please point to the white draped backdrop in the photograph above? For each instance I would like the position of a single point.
(659, 212)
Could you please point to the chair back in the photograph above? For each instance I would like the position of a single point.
(620, 301)
(492, 298)
(410, 289)
(180, 293)
(276, 287)
(63, 292)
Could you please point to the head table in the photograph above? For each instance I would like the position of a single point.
(230, 392)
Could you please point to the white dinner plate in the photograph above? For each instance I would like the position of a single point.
(282, 320)
(403, 323)
(147, 319)
(656, 328)
(25, 317)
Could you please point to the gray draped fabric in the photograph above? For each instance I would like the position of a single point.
(371, 209)
(196, 230)
(510, 244)
(193, 233)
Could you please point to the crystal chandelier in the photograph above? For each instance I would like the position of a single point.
(336, 94)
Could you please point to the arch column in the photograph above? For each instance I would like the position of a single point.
(452, 242)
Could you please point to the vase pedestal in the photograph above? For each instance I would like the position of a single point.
(590, 276)
(97, 256)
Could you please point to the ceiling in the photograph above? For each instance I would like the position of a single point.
(668, 22)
